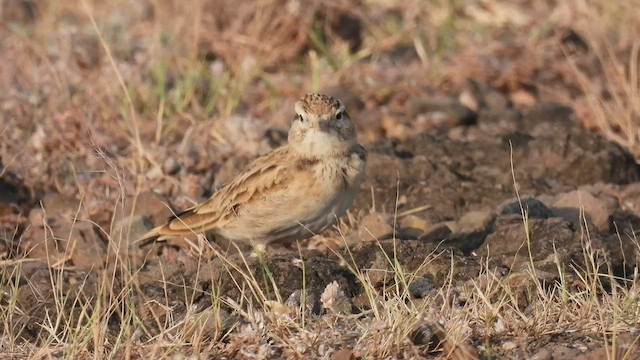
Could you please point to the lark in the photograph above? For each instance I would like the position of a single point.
(292, 193)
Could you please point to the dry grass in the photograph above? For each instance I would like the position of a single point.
(97, 96)
(611, 99)
(260, 323)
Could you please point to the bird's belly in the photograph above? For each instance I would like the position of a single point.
(291, 218)
(331, 212)
(314, 225)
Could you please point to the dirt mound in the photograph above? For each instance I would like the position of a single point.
(469, 168)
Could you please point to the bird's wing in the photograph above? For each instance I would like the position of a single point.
(264, 176)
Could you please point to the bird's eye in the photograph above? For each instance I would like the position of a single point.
(339, 116)
(300, 118)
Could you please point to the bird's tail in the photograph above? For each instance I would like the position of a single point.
(149, 237)
(184, 223)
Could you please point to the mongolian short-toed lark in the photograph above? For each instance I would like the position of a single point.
(291, 193)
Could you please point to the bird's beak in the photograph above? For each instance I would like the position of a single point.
(324, 125)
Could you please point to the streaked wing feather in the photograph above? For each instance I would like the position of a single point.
(260, 178)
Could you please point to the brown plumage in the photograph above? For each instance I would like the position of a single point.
(291, 193)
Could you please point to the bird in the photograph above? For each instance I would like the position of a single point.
(294, 192)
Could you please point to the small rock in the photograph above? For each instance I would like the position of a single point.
(58, 207)
(552, 241)
(412, 227)
(391, 164)
(420, 287)
(343, 354)
(86, 50)
(441, 112)
(414, 222)
(437, 233)
(574, 42)
(623, 350)
(363, 302)
(597, 210)
(334, 299)
(293, 301)
(524, 285)
(170, 166)
(20, 10)
(6, 210)
(12, 190)
(475, 221)
(375, 226)
(370, 126)
(496, 100)
(206, 325)
(424, 334)
(522, 97)
(630, 197)
(563, 352)
(244, 132)
(277, 308)
(627, 223)
(556, 117)
(87, 250)
(36, 217)
(509, 345)
(470, 99)
(478, 97)
(58, 213)
(542, 354)
(500, 327)
(621, 253)
(129, 229)
(466, 242)
(65, 237)
(504, 120)
(546, 199)
(38, 244)
(393, 127)
(597, 354)
(433, 336)
(533, 207)
(147, 203)
(154, 173)
(452, 225)
(379, 271)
